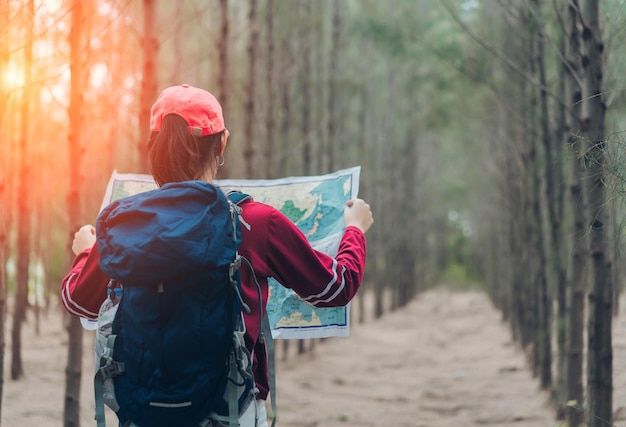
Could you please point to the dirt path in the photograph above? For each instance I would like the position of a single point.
(445, 360)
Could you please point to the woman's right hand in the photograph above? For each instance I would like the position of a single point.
(84, 238)
(357, 213)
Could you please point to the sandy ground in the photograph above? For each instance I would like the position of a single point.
(445, 360)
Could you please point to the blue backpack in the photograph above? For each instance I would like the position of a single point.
(170, 345)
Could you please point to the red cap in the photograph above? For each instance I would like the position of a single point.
(198, 107)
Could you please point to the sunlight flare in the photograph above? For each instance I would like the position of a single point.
(13, 76)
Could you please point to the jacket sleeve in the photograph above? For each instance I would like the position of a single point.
(319, 279)
(84, 288)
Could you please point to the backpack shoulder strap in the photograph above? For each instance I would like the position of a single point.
(237, 197)
(271, 356)
(266, 338)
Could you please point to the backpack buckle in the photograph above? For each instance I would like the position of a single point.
(111, 369)
(234, 266)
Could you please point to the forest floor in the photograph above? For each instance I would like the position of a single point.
(444, 360)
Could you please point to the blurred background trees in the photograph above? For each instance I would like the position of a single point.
(489, 135)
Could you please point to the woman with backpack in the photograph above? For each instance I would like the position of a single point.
(187, 143)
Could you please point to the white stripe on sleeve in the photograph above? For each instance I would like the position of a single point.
(343, 284)
(328, 286)
(71, 305)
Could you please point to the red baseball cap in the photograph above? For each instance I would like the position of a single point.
(198, 107)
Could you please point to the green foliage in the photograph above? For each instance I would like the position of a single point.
(461, 277)
(343, 418)
(572, 403)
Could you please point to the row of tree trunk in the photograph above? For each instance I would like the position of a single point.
(555, 225)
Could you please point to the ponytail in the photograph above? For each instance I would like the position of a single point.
(176, 155)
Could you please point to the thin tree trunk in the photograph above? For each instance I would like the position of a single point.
(555, 195)
(5, 182)
(222, 51)
(388, 162)
(23, 205)
(516, 295)
(4, 247)
(305, 84)
(599, 339)
(149, 84)
(305, 87)
(286, 107)
(363, 147)
(384, 263)
(37, 250)
(542, 204)
(407, 256)
(253, 35)
(271, 92)
(223, 71)
(333, 78)
(578, 254)
(73, 371)
(319, 55)
(529, 304)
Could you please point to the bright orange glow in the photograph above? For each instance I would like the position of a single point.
(98, 75)
(12, 76)
(53, 5)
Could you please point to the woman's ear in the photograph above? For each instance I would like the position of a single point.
(223, 142)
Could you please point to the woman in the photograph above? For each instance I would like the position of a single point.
(187, 143)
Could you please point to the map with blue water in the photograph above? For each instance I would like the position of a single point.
(315, 204)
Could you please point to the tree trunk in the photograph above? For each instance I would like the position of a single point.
(531, 264)
(362, 138)
(544, 339)
(407, 217)
(149, 83)
(73, 373)
(271, 92)
(320, 54)
(253, 35)
(599, 339)
(5, 182)
(23, 205)
(388, 238)
(286, 107)
(555, 195)
(223, 71)
(75, 334)
(578, 253)
(4, 250)
(333, 79)
(305, 84)
(4, 247)
(222, 52)
(512, 227)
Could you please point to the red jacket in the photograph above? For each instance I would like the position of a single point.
(276, 248)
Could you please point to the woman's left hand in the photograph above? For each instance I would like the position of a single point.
(84, 238)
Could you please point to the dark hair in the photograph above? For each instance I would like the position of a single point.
(176, 155)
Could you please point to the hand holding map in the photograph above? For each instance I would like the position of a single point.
(358, 214)
(84, 238)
